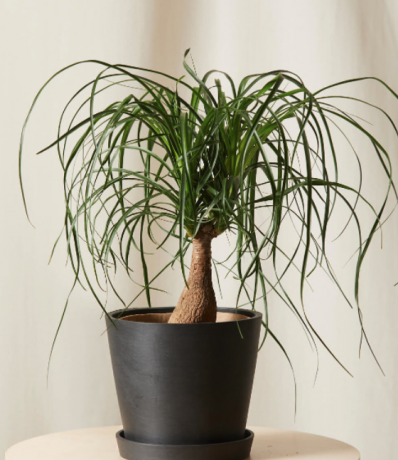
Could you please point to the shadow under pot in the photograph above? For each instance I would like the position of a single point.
(184, 389)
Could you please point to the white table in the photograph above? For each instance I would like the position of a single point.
(100, 444)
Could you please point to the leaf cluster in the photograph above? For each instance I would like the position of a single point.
(170, 157)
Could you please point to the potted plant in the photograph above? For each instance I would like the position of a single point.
(177, 165)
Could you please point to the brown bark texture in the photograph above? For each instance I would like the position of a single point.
(198, 303)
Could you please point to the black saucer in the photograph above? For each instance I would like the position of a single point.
(235, 450)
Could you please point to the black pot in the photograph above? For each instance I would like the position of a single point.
(184, 384)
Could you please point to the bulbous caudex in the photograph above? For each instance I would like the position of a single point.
(197, 303)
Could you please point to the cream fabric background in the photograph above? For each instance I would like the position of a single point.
(323, 41)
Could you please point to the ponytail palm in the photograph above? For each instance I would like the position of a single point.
(185, 163)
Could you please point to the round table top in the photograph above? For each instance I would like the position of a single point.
(100, 444)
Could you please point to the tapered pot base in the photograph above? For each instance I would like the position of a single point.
(234, 450)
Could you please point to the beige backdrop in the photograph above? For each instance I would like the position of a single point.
(323, 41)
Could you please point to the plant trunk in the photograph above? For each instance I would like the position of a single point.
(198, 303)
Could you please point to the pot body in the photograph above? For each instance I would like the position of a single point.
(184, 383)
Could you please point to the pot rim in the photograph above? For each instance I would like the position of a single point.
(251, 315)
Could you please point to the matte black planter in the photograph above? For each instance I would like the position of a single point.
(183, 384)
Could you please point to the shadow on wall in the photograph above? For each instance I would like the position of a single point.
(373, 28)
(169, 34)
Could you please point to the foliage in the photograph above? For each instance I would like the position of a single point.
(197, 154)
